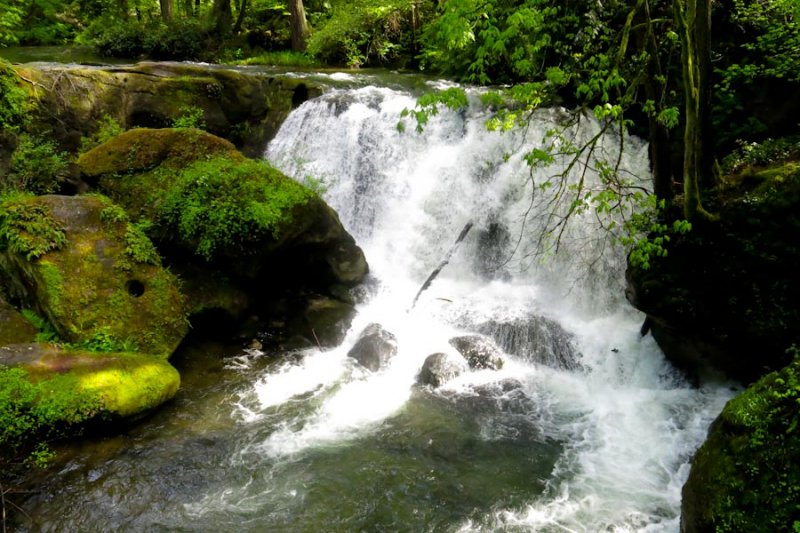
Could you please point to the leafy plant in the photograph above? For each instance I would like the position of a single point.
(37, 166)
(767, 152)
(47, 333)
(190, 117)
(107, 128)
(15, 105)
(27, 228)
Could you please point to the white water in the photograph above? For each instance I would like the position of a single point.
(628, 421)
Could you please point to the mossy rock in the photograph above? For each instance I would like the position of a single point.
(204, 198)
(244, 107)
(95, 276)
(745, 477)
(116, 384)
(14, 328)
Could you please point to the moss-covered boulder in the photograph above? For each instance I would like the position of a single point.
(205, 199)
(14, 328)
(94, 275)
(86, 384)
(247, 108)
(745, 477)
(727, 295)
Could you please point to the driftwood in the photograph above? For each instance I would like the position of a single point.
(443, 264)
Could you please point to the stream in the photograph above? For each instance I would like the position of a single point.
(585, 428)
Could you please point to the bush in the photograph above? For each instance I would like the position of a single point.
(107, 128)
(36, 166)
(767, 152)
(179, 40)
(15, 105)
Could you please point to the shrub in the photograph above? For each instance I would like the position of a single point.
(180, 39)
(767, 152)
(15, 105)
(190, 117)
(37, 166)
(28, 229)
(107, 128)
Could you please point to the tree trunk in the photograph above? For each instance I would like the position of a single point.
(240, 18)
(299, 25)
(223, 17)
(166, 10)
(690, 27)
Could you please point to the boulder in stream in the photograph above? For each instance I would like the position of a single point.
(374, 347)
(480, 352)
(440, 368)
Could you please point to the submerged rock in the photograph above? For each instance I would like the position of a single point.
(374, 347)
(479, 351)
(91, 273)
(117, 384)
(440, 368)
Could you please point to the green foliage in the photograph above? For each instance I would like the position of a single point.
(28, 229)
(767, 152)
(15, 104)
(190, 117)
(34, 410)
(37, 166)
(107, 128)
(428, 106)
(34, 22)
(283, 58)
(646, 234)
(47, 333)
(363, 32)
(138, 246)
(224, 204)
(103, 341)
(182, 39)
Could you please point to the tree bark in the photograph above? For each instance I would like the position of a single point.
(693, 33)
(240, 18)
(166, 10)
(223, 17)
(299, 25)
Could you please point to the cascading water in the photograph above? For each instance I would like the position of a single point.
(585, 427)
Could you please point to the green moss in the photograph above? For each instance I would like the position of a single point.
(227, 205)
(28, 229)
(746, 473)
(105, 289)
(36, 408)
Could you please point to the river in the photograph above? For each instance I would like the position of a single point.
(585, 428)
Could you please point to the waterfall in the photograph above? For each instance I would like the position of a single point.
(585, 428)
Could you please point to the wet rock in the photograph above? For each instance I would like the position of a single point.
(479, 351)
(327, 321)
(536, 339)
(374, 347)
(440, 368)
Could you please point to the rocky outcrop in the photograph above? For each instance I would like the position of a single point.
(91, 273)
(247, 108)
(727, 296)
(479, 351)
(217, 215)
(116, 384)
(745, 476)
(374, 347)
(439, 368)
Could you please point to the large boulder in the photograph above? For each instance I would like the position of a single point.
(439, 368)
(745, 476)
(92, 274)
(247, 108)
(204, 198)
(117, 384)
(479, 351)
(374, 347)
